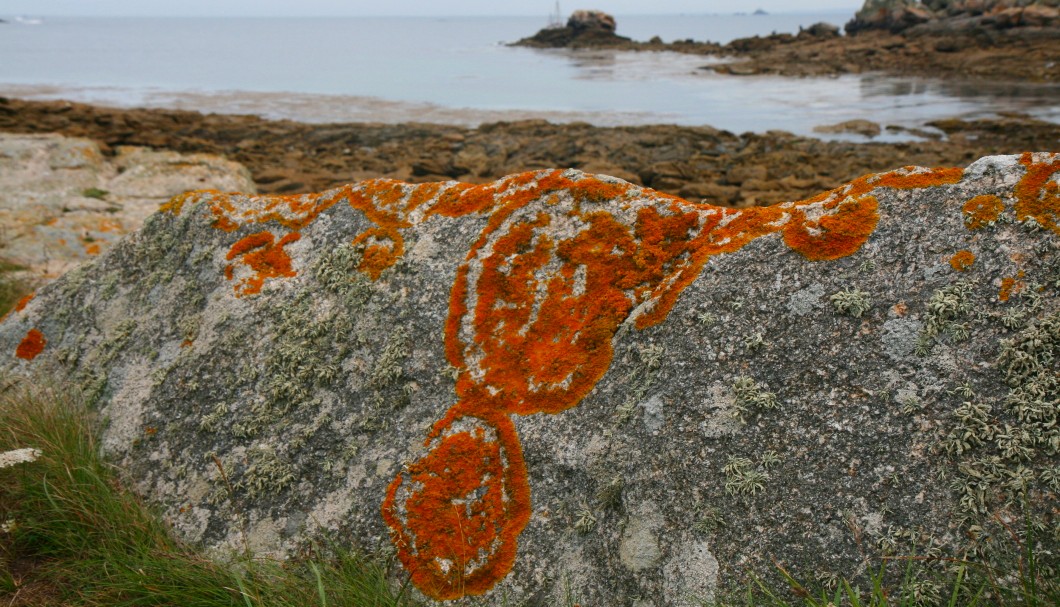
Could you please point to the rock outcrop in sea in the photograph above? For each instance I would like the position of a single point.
(562, 387)
(956, 16)
(584, 28)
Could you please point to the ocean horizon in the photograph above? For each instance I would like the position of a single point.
(459, 70)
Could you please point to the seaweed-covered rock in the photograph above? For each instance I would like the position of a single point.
(560, 387)
(585, 28)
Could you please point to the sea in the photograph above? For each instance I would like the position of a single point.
(460, 70)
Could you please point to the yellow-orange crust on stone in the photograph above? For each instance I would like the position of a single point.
(962, 260)
(31, 345)
(533, 312)
(981, 211)
(1037, 194)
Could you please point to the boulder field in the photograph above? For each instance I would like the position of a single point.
(560, 387)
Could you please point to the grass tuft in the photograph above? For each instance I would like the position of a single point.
(73, 529)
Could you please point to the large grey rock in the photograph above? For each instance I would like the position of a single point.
(563, 383)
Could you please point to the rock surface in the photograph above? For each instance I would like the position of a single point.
(62, 202)
(954, 16)
(692, 162)
(585, 28)
(560, 383)
(865, 128)
(1008, 40)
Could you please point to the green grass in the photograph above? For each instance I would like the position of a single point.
(90, 542)
(12, 288)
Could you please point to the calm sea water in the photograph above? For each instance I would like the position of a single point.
(457, 70)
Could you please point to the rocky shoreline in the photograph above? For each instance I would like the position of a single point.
(995, 39)
(693, 162)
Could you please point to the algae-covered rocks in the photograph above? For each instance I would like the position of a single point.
(562, 385)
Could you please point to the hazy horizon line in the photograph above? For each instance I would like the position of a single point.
(426, 16)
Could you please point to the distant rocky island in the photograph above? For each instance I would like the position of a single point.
(996, 39)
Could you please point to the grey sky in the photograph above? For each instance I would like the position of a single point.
(399, 7)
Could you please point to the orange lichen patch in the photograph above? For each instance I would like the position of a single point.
(32, 345)
(533, 313)
(456, 513)
(918, 177)
(382, 249)
(1010, 286)
(962, 260)
(833, 236)
(22, 303)
(264, 256)
(540, 297)
(1007, 285)
(176, 204)
(1037, 195)
(982, 211)
(905, 178)
(187, 343)
(294, 212)
(92, 248)
(109, 226)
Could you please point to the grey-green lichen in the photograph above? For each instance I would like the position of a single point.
(1006, 451)
(852, 302)
(742, 476)
(609, 496)
(751, 395)
(585, 520)
(266, 472)
(640, 380)
(213, 421)
(945, 315)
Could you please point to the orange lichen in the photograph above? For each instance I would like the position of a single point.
(833, 236)
(464, 505)
(22, 303)
(92, 248)
(264, 256)
(1010, 285)
(982, 211)
(533, 313)
(32, 345)
(1037, 195)
(539, 317)
(962, 260)
(1007, 285)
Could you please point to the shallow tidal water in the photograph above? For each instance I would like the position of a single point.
(458, 71)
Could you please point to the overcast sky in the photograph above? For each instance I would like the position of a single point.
(285, 8)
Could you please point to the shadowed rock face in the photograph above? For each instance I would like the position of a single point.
(559, 381)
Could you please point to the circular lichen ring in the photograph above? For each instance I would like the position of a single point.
(456, 513)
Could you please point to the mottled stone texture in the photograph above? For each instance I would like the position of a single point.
(63, 202)
(810, 384)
